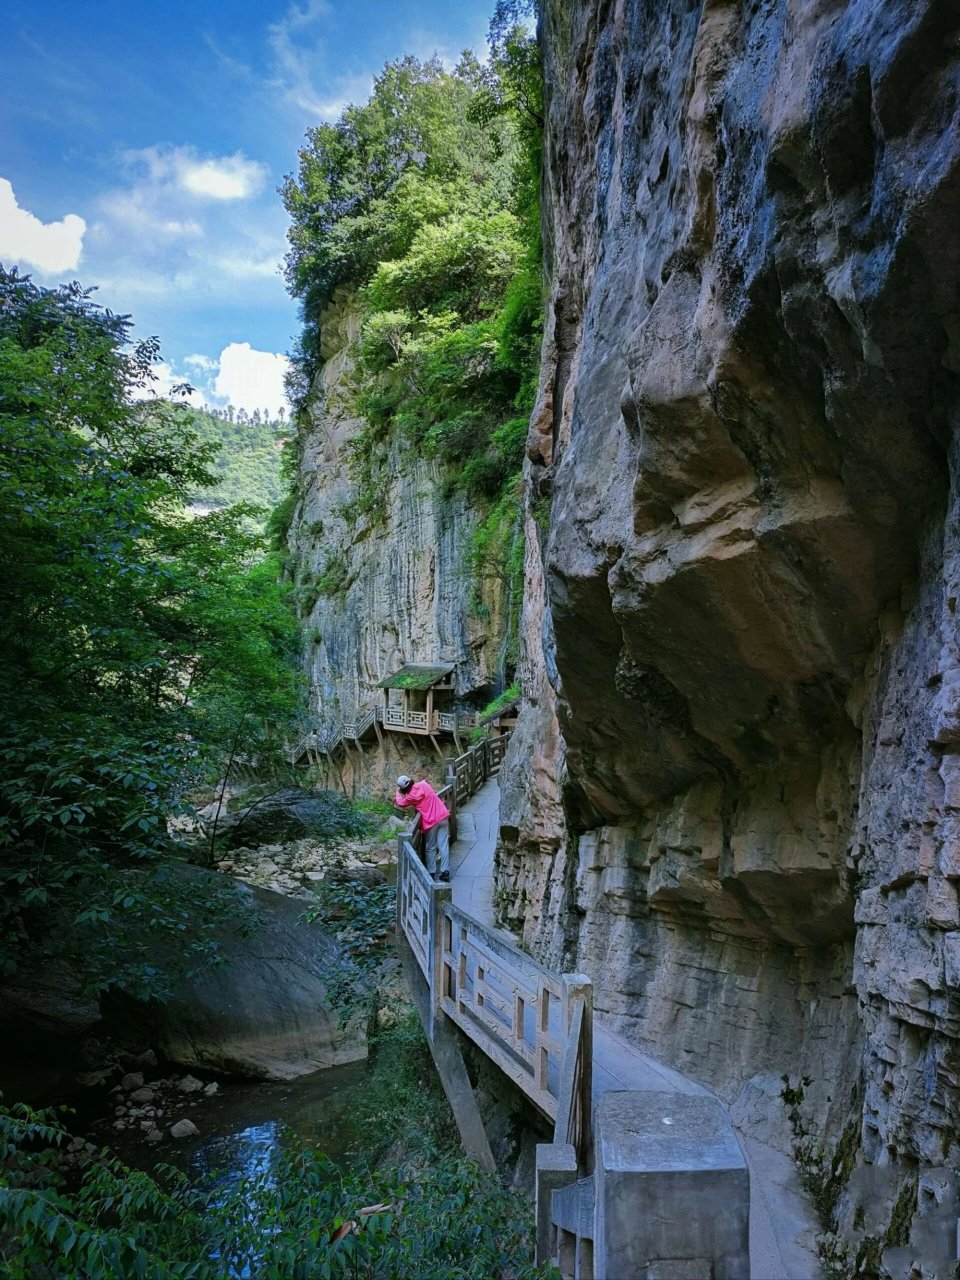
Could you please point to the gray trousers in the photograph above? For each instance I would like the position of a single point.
(437, 837)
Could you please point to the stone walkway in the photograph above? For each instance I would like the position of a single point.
(783, 1223)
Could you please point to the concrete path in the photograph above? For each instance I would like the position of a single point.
(471, 854)
(783, 1223)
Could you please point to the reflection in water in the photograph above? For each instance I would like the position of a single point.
(250, 1153)
(245, 1128)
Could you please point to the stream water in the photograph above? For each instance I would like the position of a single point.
(245, 1127)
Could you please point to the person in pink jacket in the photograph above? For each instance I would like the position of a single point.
(433, 821)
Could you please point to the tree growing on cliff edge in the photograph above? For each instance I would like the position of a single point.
(424, 201)
(132, 638)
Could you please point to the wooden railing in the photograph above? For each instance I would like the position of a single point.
(535, 1025)
(415, 888)
(417, 721)
(520, 1014)
(326, 740)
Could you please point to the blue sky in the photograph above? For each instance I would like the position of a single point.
(142, 144)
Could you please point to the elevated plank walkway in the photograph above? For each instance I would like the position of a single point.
(601, 1202)
(782, 1220)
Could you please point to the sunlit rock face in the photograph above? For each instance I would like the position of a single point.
(735, 790)
(397, 589)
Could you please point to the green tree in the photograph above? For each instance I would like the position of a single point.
(134, 639)
(425, 202)
(439, 1218)
(246, 466)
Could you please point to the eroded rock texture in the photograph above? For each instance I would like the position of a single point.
(741, 640)
(380, 592)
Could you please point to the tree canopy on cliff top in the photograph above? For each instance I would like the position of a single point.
(424, 202)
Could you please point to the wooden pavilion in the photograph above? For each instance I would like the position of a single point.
(418, 699)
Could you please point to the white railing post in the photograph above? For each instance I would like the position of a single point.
(578, 989)
(556, 1168)
(401, 874)
(450, 799)
(440, 895)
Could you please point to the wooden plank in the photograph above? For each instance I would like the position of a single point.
(554, 1047)
(498, 1030)
(509, 977)
(489, 997)
(505, 951)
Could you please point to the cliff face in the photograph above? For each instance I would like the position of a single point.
(734, 796)
(379, 593)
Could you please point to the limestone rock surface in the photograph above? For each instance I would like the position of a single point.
(734, 795)
(380, 591)
(263, 1010)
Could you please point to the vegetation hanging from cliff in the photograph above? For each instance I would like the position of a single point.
(138, 645)
(425, 200)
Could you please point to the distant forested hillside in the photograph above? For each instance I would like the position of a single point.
(248, 460)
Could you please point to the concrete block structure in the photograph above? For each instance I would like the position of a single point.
(672, 1190)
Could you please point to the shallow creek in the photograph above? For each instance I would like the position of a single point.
(245, 1126)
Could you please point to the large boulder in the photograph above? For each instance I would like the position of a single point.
(264, 1009)
(290, 815)
(49, 1031)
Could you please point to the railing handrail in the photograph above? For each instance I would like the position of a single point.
(536, 1025)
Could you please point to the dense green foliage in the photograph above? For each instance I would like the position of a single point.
(247, 464)
(362, 917)
(424, 201)
(436, 1216)
(139, 647)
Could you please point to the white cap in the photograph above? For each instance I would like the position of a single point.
(404, 781)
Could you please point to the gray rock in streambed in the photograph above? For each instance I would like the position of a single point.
(289, 815)
(262, 1012)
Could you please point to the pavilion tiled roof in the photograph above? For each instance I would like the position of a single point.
(418, 675)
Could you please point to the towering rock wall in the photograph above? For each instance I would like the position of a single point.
(377, 593)
(734, 797)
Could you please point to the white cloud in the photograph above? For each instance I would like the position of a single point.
(48, 246)
(139, 210)
(175, 227)
(299, 59)
(232, 178)
(165, 378)
(202, 363)
(241, 376)
(210, 177)
(252, 379)
(292, 61)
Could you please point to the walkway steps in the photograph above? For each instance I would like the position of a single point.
(783, 1223)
